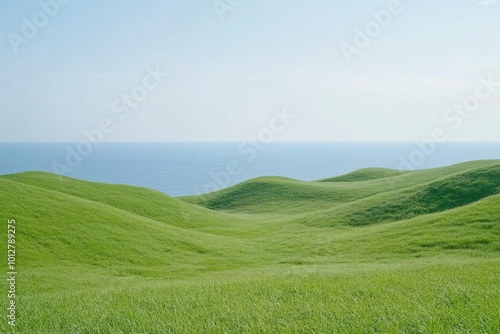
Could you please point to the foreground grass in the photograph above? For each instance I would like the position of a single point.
(460, 297)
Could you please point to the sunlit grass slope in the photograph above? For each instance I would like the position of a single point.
(372, 251)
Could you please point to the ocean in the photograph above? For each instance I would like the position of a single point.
(181, 169)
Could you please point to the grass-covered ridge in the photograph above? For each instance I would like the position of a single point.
(365, 174)
(273, 194)
(373, 251)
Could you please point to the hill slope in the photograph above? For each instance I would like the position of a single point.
(435, 196)
(57, 228)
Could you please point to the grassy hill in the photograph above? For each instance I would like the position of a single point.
(365, 174)
(283, 195)
(372, 251)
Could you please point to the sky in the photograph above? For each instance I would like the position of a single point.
(221, 70)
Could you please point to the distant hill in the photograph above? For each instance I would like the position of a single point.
(283, 195)
(365, 174)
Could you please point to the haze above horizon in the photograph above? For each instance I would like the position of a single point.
(210, 71)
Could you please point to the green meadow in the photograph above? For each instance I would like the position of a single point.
(373, 251)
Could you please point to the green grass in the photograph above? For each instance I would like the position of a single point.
(374, 251)
(366, 174)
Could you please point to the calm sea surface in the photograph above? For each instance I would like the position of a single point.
(191, 168)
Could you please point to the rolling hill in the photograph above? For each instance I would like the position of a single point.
(375, 250)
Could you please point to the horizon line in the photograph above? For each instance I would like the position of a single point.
(270, 143)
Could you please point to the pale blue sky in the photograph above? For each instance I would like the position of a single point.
(227, 76)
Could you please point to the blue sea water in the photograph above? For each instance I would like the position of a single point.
(193, 168)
